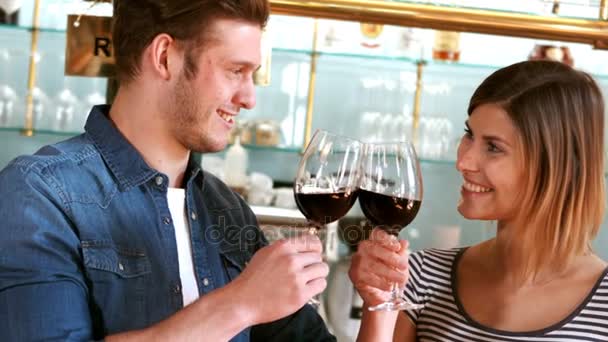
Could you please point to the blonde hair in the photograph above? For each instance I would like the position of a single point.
(559, 113)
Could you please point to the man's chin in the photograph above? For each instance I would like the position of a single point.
(210, 146)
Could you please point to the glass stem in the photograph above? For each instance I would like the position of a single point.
(395, 292)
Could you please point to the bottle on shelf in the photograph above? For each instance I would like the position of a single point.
(235, 167)
(446, 46)
(371, 33)
(9, 11)
(10, 18)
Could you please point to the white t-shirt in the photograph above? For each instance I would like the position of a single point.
(177, 206)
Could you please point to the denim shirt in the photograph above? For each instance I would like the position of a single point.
(87, 246)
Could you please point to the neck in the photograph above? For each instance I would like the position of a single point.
(504, 257)
(137, 116)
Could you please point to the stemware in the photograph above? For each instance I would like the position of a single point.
(325, 187)
(390, 195)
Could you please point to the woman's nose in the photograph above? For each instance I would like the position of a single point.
(466, 159)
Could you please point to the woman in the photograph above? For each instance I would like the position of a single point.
(532, 159)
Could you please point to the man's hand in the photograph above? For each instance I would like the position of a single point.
(379, 262)
(281, 278)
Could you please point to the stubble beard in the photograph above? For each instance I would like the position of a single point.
(188, 117)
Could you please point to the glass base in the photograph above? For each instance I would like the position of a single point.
(315, 302)
(396, 305)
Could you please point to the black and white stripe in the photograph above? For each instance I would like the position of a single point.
(443, 319)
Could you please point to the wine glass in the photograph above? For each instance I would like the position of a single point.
(325, 187)
(390, 194)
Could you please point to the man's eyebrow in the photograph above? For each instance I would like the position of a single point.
(245, 63)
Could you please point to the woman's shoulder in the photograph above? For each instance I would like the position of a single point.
(436, 262)
(438, 254)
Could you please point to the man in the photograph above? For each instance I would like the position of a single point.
(116, 234)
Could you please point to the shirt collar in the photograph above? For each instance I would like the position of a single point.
(124, 161)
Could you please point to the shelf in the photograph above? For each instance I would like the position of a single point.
(370, 56)
(41, 132)
(541, 8)
(291, 149)
(453, 18)
(385, 57)
(8, 27)
(286, 149)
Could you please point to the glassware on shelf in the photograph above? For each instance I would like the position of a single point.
(8, 100)
(435, 140)
(390, 195)
(41, 106)
(65, 106)
(370, 128)
(96, 96)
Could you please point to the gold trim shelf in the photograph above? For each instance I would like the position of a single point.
(460, 19)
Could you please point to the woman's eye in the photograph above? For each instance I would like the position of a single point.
(493, 148)
(468, 133)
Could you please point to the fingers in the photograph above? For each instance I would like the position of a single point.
(404, 246)
(375, 272)
(374, 282)
(372, 252)
(384, 239)
(316, 286)
(315, 271)
(303, 243)
(302, 260)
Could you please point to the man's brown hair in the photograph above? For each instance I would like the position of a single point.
(138, 22)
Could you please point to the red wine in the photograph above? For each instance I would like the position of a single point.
(323, 208)
(388, 212)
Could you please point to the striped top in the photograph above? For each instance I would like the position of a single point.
(444, 319)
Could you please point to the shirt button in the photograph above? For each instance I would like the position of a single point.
(159, 180)
(206, 282)
(166, 220)
(193, 215)
(177, 289)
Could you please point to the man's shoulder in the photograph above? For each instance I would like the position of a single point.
(62, 157)
(73, 150)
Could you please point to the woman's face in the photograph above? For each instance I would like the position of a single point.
(488, 161)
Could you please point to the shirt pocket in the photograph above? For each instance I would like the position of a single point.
(119, 261)
(117, 277)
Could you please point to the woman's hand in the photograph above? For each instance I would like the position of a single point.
(379, 262)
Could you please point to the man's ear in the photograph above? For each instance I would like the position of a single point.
(163, 56)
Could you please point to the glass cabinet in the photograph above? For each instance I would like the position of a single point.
(377, 82)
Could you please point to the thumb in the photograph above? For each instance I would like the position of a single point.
(404, 246)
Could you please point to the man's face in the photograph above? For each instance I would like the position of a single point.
(203, 109)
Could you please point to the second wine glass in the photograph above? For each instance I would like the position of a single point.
(390, 195)
(325, 187)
